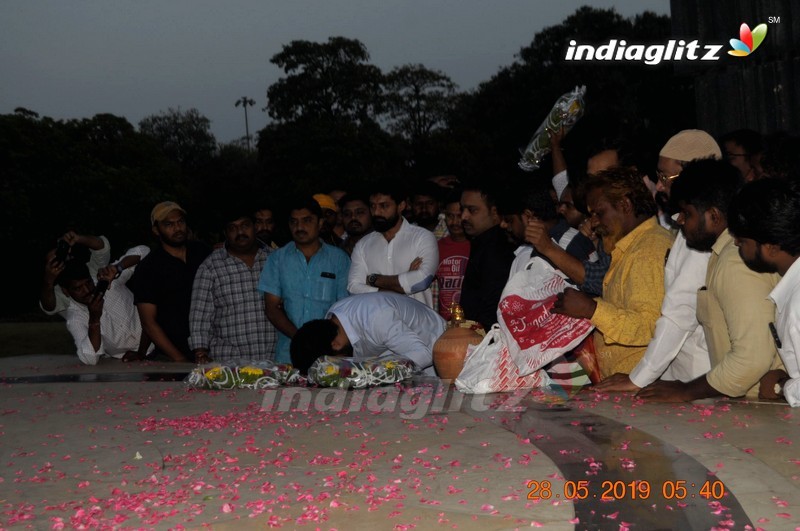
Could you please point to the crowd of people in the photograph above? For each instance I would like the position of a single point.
(689, 276)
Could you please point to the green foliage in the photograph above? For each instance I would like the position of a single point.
(500, 117)
(95, 175)
(417, 100)
(183, 136)
(330, 81)
(338, 122)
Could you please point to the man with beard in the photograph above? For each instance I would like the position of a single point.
(398, 256)
(264, 225)
(303, 278)
(226, 319)
(623, 212)
(733, 307)
(490, 256)
(678, 349)
(763, 218)
(356, 219)
(371, 325)
(162, 283)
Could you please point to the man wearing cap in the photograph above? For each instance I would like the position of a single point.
(162, 283)
(330, 215)
(732, 305)
(678, 350)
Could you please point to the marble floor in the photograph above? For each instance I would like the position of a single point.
(129, 446)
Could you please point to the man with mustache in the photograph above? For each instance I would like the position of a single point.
(623, 211)
(490, 255)
(398, 256)
(356, 219)
(678, 350)
(162, 283)
(264, 223)
(733, 305)
(303, 278)
(227, 320)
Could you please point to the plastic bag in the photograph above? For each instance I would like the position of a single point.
(347, 373)
(488, 368)
(534, 335)
(244, 375)
(566, 111)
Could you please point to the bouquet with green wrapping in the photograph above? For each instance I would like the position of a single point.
(252, 375)
(566, 111)
(347, 373)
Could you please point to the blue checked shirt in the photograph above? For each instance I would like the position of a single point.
(227, 314)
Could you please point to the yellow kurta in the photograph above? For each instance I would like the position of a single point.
(633, 289)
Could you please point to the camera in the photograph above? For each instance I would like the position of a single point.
(100, 288)
(62, 251)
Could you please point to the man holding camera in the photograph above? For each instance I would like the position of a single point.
(101, 316)
(53, 300)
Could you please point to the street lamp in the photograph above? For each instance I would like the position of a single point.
(244, 101)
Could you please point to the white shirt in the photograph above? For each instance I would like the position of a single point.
(678, 349)
(383, 323)
(373, 254)
(120, 329)
(522, 256)
(786, 296)
(98, 259)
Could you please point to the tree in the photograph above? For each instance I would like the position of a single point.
(417, 100)
(332, 81)
(638, 100)
(184, 136)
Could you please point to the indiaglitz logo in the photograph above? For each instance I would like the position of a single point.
(748, 40)
(671, 50)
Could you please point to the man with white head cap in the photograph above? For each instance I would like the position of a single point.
(678, 349)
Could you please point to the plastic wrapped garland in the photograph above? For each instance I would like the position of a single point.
(255, 375)
(566, 111)
(347, 373)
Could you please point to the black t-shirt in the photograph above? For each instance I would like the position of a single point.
(490, 259)
(166, 281)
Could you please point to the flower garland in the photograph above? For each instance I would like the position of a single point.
(254, 375)
(347, 373)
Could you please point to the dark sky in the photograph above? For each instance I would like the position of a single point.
(77, 58)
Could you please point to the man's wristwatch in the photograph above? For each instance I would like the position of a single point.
(372, 279)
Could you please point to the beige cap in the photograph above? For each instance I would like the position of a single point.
(691, 144)
(162, 210)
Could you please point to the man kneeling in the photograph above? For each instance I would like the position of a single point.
(371, 325)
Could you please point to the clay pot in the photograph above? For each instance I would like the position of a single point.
(450, 350)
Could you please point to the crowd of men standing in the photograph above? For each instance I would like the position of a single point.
(681, 272)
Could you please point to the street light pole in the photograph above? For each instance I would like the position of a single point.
(244, 101)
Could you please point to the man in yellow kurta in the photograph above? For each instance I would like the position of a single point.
(623, 213)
